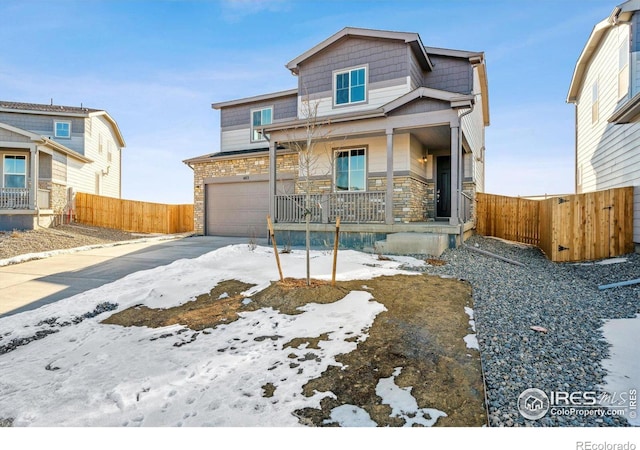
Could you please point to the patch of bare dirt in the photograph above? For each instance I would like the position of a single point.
(422, 331)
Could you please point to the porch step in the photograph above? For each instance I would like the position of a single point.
(432, 244)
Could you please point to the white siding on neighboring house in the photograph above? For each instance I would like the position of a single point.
(608, 155)
(83, 177)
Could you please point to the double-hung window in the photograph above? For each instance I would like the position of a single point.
(350, 86)
(62, 129)
(260, 118)
(351, 170)
(623, 69)
(595, 107)
(15, 171)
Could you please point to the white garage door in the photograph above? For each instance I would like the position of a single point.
(237, 209)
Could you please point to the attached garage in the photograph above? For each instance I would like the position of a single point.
(237, 209)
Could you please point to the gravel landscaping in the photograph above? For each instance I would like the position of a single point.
(14, 243)
(562, 298)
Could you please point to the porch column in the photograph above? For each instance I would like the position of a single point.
(455, 163)
(33, 161)
(388, 204)
(273, 146)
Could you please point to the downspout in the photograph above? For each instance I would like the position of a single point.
(34, 160)
(460, 172)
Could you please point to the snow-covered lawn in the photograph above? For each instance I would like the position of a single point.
(238, 374)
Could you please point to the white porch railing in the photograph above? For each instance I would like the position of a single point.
(14, 198)
(352, 207)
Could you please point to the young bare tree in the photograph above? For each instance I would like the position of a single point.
(309, 149)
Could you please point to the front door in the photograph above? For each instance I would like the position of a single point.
(443, 186)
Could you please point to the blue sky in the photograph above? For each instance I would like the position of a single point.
(156, 67)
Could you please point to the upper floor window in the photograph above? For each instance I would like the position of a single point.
(62, 129)
(350, 86)
(594, 102)
(351, 170)
(259, 118)
(15, 171)
(623, 69)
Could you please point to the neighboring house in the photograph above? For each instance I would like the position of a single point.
(400, 142)
(605, 89)
(48, 152)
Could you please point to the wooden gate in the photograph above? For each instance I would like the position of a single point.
(569, 228)
(587, 226)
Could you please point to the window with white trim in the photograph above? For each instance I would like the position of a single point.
(594, 102)
(350, 170)
(14, 171)
(260, 118)
(62, 129)
(350, 86)
(623, 69)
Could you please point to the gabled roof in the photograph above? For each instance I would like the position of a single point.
(620, 13)
(256, 98)
(60, 110)
(33, 107)
(42, 140)
(455, 99)
(412, 39)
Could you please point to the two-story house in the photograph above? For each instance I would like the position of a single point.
(605, 89)
(48, 152)
(397, 131)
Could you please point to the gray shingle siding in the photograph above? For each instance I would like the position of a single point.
(387, 60)
(415, 71)
(450, 74)
(40, 124)
(235, 116)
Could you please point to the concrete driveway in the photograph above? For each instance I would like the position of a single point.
(31, 284)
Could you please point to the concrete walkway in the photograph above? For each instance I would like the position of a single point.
(31, 284)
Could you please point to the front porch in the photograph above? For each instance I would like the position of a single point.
(369, 237)
(19, 212)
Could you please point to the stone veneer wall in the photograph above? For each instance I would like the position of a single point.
(469, 188)
(410, 199)
(257, 165)
(57, 195)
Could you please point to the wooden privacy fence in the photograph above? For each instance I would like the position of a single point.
(131, 215)
(570, 228)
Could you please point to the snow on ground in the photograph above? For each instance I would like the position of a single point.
(623, 366)
(471, 339)
(90, 374)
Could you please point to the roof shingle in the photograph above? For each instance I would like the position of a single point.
(46, 108)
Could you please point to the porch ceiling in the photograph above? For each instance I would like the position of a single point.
(436, 138)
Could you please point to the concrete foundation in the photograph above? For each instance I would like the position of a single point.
(432, 244)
